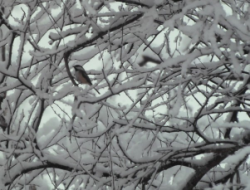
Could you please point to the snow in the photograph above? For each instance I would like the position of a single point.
(159, 120)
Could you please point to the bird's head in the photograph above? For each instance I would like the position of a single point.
(77, 67)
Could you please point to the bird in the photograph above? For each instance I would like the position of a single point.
(82, 77)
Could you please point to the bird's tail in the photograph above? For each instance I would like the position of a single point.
(97, 91)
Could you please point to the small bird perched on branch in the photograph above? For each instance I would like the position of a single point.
(82, 77)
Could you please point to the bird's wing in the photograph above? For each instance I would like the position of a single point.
(85, 75)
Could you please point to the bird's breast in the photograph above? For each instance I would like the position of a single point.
(81, 79)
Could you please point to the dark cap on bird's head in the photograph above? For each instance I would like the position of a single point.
(77, 67)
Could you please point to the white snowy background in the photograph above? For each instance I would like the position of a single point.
(173, 109)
